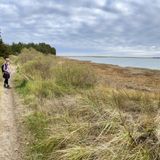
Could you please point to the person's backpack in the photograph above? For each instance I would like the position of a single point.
(2, 67)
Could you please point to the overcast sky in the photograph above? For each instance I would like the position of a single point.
(85, 27)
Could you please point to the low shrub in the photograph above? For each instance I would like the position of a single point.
(71, 74)
(28, 54)
(42, 68)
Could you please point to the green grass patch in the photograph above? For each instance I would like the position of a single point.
(71, 74)
(37, 123)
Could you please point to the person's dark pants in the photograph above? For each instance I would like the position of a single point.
(6, 81)
(6, 77)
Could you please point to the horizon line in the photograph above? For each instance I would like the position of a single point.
(109, 56)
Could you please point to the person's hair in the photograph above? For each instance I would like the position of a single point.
(5, 57)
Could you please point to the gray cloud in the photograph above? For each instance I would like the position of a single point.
(84, 26)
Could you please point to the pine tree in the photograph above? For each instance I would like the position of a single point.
(3, 49)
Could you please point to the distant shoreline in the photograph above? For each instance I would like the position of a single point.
(113, 65)
(114, 57)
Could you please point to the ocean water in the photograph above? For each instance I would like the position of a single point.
(150, 63)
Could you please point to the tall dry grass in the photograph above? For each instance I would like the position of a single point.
(75, 75)
(75, 118)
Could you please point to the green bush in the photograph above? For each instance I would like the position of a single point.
(28, 55)
(75, 75)
(38, 70)
(16, 48)
(4, 49)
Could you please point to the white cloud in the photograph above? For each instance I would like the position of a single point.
(123, 7)
(100, 3)
(97, 25)
(8, 10)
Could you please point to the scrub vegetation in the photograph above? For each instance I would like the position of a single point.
(74, 116)
(16, 48)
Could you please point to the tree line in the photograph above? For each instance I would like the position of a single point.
(15, 48)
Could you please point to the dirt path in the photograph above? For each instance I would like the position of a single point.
(8, 134)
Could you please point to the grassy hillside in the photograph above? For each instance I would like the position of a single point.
(72, 116)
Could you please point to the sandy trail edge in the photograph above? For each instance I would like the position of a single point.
(8, 132)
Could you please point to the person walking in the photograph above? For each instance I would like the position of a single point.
(6, 72)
